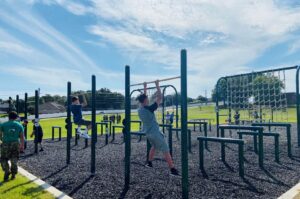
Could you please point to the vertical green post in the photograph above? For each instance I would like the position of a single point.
(106, 133)
(69, 124)
(127, 127)
(36, 107)
(205, 134)
(171, 140)
(163, 110)
(255, 143)
(184, 127)
(36, 112)
(18, 104)
(276, 140)
(148, 149)
(241, 159)
(94, 128)
(260, 148)
(223, 145)
(25, 117)
(288, 134)
(201, 154)
(298, 104)
(190, 140)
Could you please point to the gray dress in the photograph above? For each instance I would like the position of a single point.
(151, 127)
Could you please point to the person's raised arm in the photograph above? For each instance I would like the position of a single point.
(158, 94)
(84, 103)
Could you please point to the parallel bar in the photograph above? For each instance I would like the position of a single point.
(94, 127)
(161, 80)
(69, 124)
(127, 127)
(184, 127)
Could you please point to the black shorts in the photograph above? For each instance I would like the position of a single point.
(83, 122)
(38, 139)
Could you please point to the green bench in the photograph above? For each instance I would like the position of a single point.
(265, 134)
(280, 124)
(258, 129)
(239, 142)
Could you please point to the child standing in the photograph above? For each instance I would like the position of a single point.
(151, 128)
(37, 133)
(76, 109)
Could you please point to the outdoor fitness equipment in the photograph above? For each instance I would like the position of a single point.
(184, 127)
(94, 128)
(261, 93)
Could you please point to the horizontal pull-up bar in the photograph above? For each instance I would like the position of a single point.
(160, 80)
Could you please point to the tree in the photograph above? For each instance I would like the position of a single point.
(202, 99)
(222, 91)
(267, 90)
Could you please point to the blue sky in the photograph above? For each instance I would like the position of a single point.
(45, 43)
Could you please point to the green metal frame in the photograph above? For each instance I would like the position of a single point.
(25, 118)
(36, 113)
(184, 127)
(260, 131)
(255, 134)
(18, 104)
(297, 68)
(288, 127)
(240, 143)
(164, 87)
(94, 127)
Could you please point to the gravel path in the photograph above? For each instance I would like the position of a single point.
(222, 180)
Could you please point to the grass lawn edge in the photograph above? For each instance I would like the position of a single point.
(45, 186)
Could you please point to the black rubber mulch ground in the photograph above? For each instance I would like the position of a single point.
(223, 180)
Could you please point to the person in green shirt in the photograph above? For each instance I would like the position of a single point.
(11, 135)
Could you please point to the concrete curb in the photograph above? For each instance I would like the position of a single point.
(292, 193)
(47, 187)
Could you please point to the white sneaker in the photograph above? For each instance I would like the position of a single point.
(85, 135)
(78, 132)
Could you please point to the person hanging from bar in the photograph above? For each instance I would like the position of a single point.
(151, 128)
(76, 109)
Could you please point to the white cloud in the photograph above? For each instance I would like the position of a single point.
(222, 37)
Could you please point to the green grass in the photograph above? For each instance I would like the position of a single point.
(193, 113)
(21, 188)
